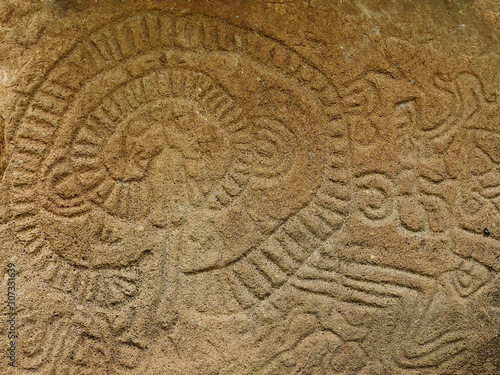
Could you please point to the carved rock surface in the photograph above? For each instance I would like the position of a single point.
(252, 187)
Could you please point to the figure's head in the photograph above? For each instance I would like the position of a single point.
(110, 198)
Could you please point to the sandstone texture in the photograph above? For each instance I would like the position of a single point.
(247, 187)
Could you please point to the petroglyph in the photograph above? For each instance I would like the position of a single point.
(190, 195)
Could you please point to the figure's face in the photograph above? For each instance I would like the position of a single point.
(129, 151)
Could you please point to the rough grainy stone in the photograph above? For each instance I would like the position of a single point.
(250, 187)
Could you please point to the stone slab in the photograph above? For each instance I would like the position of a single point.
(250, 187)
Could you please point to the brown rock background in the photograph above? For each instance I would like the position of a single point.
(406, 283)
